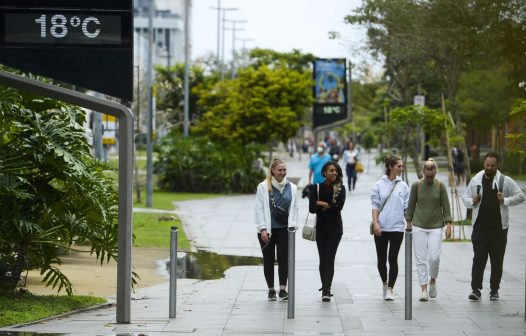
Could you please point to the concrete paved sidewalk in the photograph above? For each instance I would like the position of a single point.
(236, 305)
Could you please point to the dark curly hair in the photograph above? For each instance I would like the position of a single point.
(337, 187)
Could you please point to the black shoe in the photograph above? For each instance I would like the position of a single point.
(494, 295)
(475, 295)
(326, 295)
(272, 295)
(283, 295)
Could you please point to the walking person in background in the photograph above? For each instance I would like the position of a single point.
(389, 200)
(458, 165)
(326, 200)
(276, 209)
(427, 211)
(350, 159)
(489, 194)
(316, 164)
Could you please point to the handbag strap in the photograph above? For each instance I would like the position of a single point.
(387, 199)
(318, 198)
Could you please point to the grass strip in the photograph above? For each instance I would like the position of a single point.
(23, 307)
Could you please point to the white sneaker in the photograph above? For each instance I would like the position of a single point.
(432, 291)
(389, 295)
(424, 296)
(384, 290)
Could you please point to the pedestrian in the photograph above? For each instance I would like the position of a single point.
(427, 212)
(350, 159)
(334, 150)
(459, 165)
(326, 200)
(276, 209)
(389, 201)
(489, 194)
(316, 163)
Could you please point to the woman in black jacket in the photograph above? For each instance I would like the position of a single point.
(326, 200)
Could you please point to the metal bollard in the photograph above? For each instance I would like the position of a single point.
(408, 274)
(292, 266)
(173, 271)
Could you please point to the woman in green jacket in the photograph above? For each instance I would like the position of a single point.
(427, 212)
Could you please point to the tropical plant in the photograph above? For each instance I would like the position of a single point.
(52, 192)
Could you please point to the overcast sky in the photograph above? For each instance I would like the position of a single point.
(280, 25)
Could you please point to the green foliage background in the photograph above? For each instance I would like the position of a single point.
(52, 192)
(197, 164)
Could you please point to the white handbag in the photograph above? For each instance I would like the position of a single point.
(309, 231)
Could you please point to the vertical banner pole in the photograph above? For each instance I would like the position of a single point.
(292, 266)
(408, 274)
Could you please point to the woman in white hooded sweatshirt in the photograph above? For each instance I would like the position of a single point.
(389, 200)
(276, 209)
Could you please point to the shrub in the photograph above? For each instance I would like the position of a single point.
(195, 164)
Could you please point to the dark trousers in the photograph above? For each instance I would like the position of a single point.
(388, 241)
(350, 169)
(327, 244)
(488, 243)
(278, 242)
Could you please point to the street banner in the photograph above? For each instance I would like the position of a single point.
(330, 92)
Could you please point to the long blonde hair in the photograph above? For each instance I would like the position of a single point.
(273, 165)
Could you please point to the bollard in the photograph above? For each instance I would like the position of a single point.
(173, 271)
(408, 274)
(291, 275)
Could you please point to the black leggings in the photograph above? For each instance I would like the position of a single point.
(327, 246)
(391, 241)
(278, 242)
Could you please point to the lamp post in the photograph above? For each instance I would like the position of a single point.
(221, 65)
(234, 29)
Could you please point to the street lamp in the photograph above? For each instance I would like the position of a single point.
(219, 11)
(234, 29)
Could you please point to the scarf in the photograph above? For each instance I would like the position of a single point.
(279, 185)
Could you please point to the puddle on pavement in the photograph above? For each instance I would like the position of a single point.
(208, 265)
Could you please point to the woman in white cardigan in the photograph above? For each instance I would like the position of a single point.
(276, 210)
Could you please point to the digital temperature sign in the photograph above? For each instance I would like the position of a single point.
(68, 28)
(88, 43)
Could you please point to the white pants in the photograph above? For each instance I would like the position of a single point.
(427, 245)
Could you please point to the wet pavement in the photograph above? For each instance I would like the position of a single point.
(237, 305)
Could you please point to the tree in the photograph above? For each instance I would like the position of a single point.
(52, 192)
(170, 93)
(260, 105)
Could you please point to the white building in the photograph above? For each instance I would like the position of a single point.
(168, 25)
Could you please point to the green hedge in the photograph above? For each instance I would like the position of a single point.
(195, 164)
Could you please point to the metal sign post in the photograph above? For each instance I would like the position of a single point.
(408, 274)
(292, 276)
(125, 116)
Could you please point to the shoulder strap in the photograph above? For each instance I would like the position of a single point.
(501, 182)
(387, 199)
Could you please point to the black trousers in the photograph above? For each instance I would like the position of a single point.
(350, 169)
(279, 243)
(388, 241)
(327, 243)
(488, 243)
